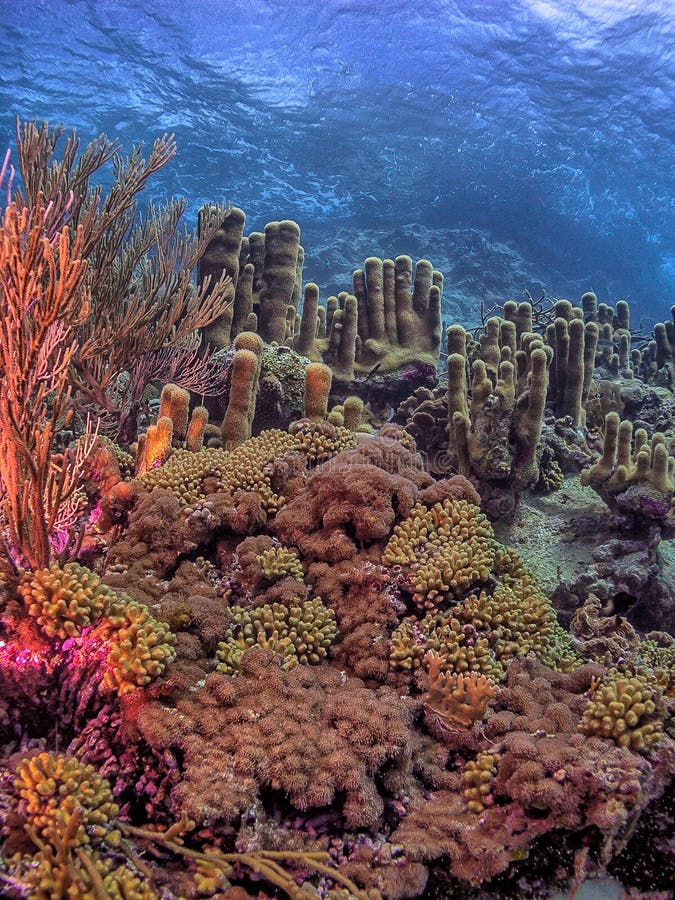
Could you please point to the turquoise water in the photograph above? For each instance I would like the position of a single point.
(518, 144)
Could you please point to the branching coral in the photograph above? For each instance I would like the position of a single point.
(320, 441)
(184, 473)
(455, 701)
(191, 476)
(71, 819)
(279, 562)
(300, 632)
(446, 548)
(626, 708)
(53, 786)
(140, 647)
(477, 778)
(139, 264)
(81, 849)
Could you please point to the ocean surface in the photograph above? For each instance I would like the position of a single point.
(519, 145)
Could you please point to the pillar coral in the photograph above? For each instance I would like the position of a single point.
(495, 424)
(266, 272)
(318, 379)
(635, 478)
(389, 320)
(236, 427)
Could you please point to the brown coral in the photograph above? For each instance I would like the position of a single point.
(352, 501)
(311, 733)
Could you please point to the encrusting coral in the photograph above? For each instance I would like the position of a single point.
(541, 774)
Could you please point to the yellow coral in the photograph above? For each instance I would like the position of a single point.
(71, 811)
(320, 440)
(551, 476)
(247, 466)
(477, 778)
(301, 632)
(53, 786)
(124, 460)
(64, 601)
(184, 473)
(461, 649)
(446, 548)
(626, 708)
(191, 476)
(140, 648)
(661, 661)
(481, 633)
(279, 562)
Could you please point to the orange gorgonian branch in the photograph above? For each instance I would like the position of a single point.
(42, 301)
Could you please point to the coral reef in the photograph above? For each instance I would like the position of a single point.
(539, 771)
(271, 641)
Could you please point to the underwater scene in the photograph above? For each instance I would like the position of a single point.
(337, 449)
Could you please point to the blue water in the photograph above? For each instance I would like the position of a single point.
(518, 144)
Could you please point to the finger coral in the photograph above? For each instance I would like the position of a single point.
(53, 786)
(627, 709)
(64, 601)
(140, 647)
(184, 473)
(300, 633)
(446, 548)
(278, 562)
(487, 628)
(478, 776)
(320, 441)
